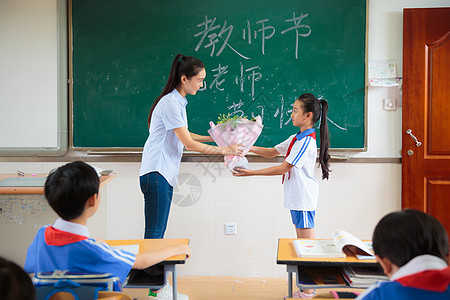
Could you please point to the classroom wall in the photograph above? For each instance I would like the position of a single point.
(354, 199)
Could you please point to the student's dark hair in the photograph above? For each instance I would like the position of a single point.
(401, 236)
(69, 187)
(15, 283)
(181, 65)
(319, 109)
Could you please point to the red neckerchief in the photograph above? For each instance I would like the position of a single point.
(56, 237)
(430, 280)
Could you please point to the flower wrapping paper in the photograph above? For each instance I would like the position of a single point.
(239, 131)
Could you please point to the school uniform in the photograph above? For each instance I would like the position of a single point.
(67, 246)
(301, 187)
(423, 277)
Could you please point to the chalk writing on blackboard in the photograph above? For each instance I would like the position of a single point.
(258, 61)
(297, 27)
(266, 32)
(214, 37)
(217, 82)
(210, 35)
(251, 73)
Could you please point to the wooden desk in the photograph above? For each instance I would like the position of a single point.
(29, 190)
(287, 256)
(157, 244)
(23, 210)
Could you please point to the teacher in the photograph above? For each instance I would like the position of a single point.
(168, 133)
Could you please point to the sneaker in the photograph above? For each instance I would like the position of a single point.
(166, 293)
(302, 295)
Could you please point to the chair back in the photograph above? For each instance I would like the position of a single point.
(76, 285)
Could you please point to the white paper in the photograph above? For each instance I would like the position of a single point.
(317, 248)
(383, 73)
(386, 82)
(382, 69)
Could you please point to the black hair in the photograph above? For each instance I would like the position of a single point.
(319, 110)
(69, 187)
(401, 236)
(15, 283)
(188, 66)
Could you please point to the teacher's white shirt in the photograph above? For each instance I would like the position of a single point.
(163, 150)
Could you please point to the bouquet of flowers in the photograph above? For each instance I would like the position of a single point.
(236, 130)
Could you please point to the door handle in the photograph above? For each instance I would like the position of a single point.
(409, 131)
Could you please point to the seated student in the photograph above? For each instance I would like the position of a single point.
(72, 192)
(413, 250)
(15, 284)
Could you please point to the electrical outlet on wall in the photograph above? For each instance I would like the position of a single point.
(389, 104)
(230, 228)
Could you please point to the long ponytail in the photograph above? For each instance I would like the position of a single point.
(324, 156)
(181, 65)
(319, 109)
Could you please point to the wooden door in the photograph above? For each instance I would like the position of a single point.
(426, 112)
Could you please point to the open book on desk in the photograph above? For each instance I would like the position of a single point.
(335, 247)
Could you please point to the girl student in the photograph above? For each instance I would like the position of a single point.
(301, 188)
(168, 133)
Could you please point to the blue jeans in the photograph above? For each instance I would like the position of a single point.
(158, 197)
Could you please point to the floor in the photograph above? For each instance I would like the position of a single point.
(229, 287)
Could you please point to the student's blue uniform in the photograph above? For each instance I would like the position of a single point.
(424, 277)
(54, 249)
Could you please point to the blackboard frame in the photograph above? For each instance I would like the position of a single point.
(363, 146)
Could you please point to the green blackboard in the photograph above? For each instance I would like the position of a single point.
(259, 57)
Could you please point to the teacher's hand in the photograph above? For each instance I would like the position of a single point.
(235, 150)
